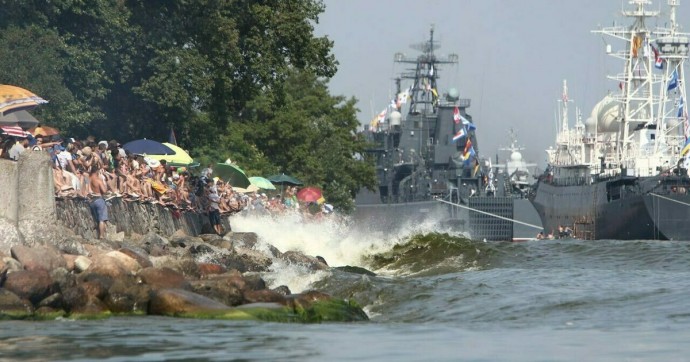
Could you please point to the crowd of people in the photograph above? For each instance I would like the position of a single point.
(103, 170)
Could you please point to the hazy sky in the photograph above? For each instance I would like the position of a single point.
(514, 56)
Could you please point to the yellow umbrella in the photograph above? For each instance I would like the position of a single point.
(180, 158)
(14, 99)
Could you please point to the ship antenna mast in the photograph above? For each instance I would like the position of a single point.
(424, 75)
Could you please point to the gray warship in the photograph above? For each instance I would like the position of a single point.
(428, 162)
(623, 173)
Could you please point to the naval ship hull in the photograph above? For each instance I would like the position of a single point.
(447, 217)
(600, 211)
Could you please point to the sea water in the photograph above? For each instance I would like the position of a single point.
(437, 296)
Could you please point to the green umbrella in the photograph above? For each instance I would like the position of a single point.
(284, 180)
(231, 174)
(261, 183)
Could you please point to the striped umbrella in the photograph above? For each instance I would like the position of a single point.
(14, 99)
(15, 131)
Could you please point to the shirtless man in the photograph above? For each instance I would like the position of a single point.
(98, 207)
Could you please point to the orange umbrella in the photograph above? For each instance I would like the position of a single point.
(14, 99)
(44, 131)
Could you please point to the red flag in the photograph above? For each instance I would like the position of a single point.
(456, 115)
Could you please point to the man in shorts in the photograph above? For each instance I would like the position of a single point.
(97, 204)
(214, 211)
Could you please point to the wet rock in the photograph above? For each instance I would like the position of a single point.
(163, 278)
(137, 254)
(71, 246)
(219, 289)
(206, 269)
(209, 237)
(264, 296)
(307, 299)
(246, 260)
(92, 306)
(125, 295)
(356, 270)
(38, 257)
(95, 285)
(53, 301)
(253, 281)
(33, 285)
(13, 306)
(63, 278)
(153, 241)
(186, 265)
(178, 302)
(110, 266)
(246, 240)
(74, 298)
(221, 244)
(283, 290)
(322, 260)
(201, 249)
(295, 257)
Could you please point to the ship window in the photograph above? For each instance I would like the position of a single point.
(652, 136)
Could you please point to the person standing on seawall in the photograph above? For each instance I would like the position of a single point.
(97, 204)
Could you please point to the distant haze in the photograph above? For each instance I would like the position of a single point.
(514, 56)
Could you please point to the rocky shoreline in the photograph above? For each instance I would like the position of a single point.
(154, 261)
(184, 276)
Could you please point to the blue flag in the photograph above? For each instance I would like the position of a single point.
(681, 108)
(673, 82)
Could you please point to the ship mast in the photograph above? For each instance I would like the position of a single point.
(424, 91)
(672, 49)
(637, 101)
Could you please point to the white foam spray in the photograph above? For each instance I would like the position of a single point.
(338, 240)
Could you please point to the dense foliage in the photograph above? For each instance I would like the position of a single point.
(237, 79)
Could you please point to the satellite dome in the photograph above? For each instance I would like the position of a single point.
(516, 156)
(606, 113)
(453, 94)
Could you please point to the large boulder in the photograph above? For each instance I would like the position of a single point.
(38, 257)
(163, 278)
(138, 254)
(223, 290)
(33, 285)
(12, 306)
(178, 302)
(310, 262)
(125, 295)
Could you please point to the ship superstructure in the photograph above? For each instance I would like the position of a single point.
(621, 173)
(426, 151)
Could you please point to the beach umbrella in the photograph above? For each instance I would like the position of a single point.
(309, 194)
(44, 131)
(250, 188)
(284, 179)
(148, 147)
(13, 99)
(261, 183)
(231, 174)
(179, 159)
(22, 119)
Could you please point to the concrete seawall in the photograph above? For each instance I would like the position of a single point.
(30, 215)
